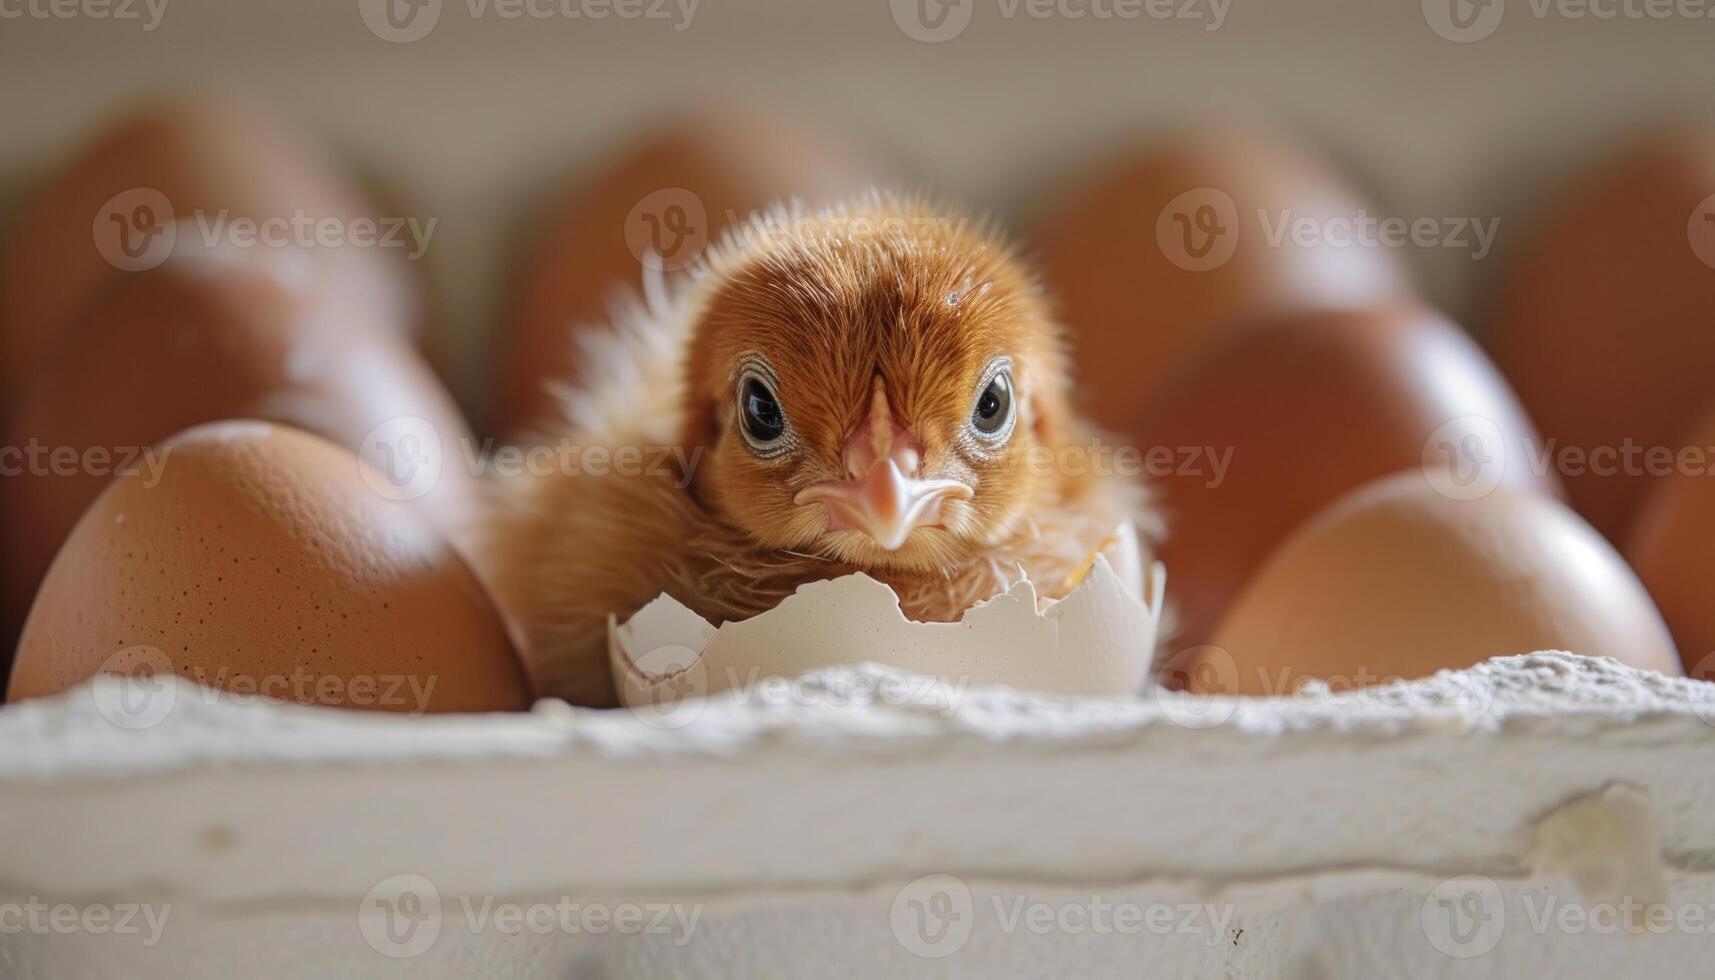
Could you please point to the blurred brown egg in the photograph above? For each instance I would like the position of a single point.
(228, 333)
(222, 171)
(1398, 580)
(1672, 546)
(1606, 325)
(1194, 238)
(1266, 427)
(666, 200)
(263, 560)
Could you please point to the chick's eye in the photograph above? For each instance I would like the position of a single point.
(761, 417)
(992, 416)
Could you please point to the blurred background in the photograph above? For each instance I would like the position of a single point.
(481, 121)
(1481, 234)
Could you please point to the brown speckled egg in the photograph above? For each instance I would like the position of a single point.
(1398, 580)
(1264, 428)
(262, 560)
(214, 167)
(1176, 246)
(668, 198)
(1672, 546)
(1606, 322)
(231, 333)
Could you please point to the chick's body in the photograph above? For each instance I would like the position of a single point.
(878, 387)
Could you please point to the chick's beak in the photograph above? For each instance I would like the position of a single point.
(883, 495)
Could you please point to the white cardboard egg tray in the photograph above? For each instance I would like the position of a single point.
(1483, 823)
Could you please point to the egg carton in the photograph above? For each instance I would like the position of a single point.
(1543, 815)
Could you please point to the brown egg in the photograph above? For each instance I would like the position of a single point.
(1268, 426)
(1672, 546)
(1606, 324)
(228, 333)
(1398, 580)
(218, 169)
(667, 199)
(264, 561)
(1194, 238)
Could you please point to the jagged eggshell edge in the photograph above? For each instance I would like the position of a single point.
(1098, 640)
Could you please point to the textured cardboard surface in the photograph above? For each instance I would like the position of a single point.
(1322, 835)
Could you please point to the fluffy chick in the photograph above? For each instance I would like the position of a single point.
(877, 387)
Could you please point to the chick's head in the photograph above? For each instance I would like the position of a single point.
(872, 384)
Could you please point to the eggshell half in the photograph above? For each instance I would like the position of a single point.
(209, 163)
(670, 196)
(1098, 640)
(1606, 322)
(264, 562)
(230, 333)
(1171, 248)
(1397, 580)
(1263, 429)
(1672, 546)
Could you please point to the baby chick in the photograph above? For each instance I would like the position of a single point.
(878, 387)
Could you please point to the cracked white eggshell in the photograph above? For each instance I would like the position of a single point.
(1098, 640)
